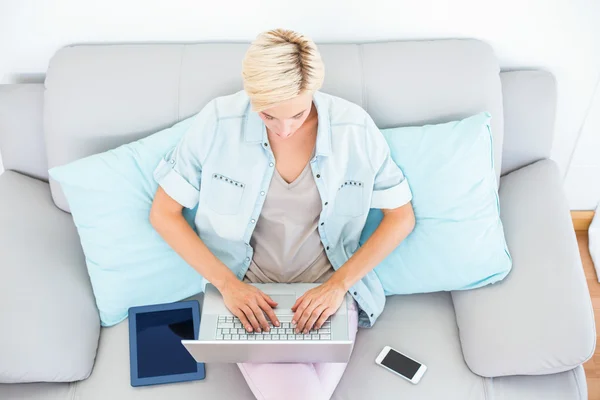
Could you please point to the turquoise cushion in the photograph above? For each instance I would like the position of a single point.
(458, 241)
(110, 196)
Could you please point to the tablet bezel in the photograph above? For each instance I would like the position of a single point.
(133, 362)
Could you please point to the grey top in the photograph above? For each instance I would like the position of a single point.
(286, 242)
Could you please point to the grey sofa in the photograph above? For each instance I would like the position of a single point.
(524, 338)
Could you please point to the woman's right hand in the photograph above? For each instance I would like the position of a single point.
(250, 305)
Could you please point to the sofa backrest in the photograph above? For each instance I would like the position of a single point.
(100, 96)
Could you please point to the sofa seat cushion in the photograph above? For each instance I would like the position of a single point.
(111, 377)
(539, 319)
(49, 320)
(37, 391)
(423, 327)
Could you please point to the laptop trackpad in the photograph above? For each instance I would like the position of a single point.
(284, 302)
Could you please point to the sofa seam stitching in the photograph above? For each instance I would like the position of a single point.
(362, 77)
(74, 391)
(183, 47)
(579, 392)
(540, 372)
(488, 395)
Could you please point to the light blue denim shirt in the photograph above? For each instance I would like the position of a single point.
(224, 165)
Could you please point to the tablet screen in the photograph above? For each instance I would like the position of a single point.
(159, 348)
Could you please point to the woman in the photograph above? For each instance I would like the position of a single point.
(284, 176)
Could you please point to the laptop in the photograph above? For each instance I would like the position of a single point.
(223, 339)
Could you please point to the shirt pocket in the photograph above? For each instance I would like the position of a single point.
(224, 195)
(350, 199)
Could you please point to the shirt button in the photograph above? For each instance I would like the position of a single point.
(327, 248)
(266, 144)
(322, 223)
(271, 164)
(253, 220)
(355, 293)
(371, 315)
(326, 203)
(318, 175)
(247, 259)
(172, 161)
(262, 193)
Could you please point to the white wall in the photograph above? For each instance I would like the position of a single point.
(583, 175)
(557, 35)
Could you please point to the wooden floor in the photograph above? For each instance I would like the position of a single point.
(592, 367)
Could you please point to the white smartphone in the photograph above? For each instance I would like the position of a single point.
(401, 365)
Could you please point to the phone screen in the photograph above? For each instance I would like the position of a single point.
(401, 364)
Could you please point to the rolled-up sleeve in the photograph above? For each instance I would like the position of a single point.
(179, 172)
(390, 186)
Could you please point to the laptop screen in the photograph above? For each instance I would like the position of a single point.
(159, 348)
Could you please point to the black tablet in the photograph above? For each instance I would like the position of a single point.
(155, 350)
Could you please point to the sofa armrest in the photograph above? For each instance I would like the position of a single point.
(50, 324)
(21, 129)
(539, 319)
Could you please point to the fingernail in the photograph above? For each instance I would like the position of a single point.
(277, 323)
(249, 329)
(297, 330)
(293, 321)
(305, 331)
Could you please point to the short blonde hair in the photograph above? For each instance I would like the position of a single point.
(280, 65)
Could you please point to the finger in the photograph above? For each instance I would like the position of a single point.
(328, 312)
(317, 312)
(269, 300)
(304, 318)
(242, 317)
(260, 316)
(252, 319)
(269, 311)
(300, 310)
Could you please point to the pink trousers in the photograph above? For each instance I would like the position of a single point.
(315, 381)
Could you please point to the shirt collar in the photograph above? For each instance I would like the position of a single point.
(255, 130)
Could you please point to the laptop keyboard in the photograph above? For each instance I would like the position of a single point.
(231, 328)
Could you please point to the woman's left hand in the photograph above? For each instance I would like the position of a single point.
(316, 305)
